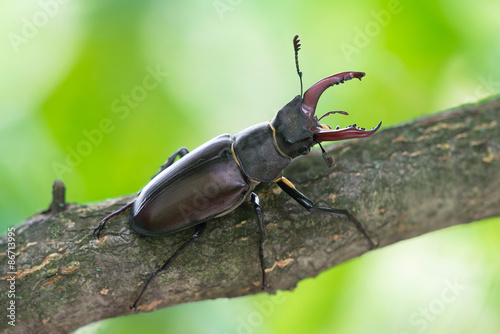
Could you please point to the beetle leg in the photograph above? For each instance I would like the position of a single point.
(290, 189)
(197, 233)
(103, 222)
(258, 211)
(180, 152)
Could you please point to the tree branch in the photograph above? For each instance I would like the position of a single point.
(405, 181)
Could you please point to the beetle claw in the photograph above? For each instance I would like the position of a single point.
(349, 132)
(312, 95)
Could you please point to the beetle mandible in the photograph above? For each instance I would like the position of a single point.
(229, 168)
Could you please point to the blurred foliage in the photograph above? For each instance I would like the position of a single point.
(101, 93)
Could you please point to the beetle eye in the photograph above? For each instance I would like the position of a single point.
(305, 150)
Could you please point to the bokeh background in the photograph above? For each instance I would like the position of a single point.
(100, 93)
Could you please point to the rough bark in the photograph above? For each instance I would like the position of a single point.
(404, 181)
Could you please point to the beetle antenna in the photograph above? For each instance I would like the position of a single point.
(296, 47)
(329, 160)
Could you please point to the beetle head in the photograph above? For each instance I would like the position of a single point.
(297, 128)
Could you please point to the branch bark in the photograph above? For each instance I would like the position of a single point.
(405, 181)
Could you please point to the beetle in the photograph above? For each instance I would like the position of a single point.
(221, 174)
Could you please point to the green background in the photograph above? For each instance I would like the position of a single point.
(78, 102)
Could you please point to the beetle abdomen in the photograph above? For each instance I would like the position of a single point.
(203, 184)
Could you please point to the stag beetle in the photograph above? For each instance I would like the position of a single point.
(230, 167)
